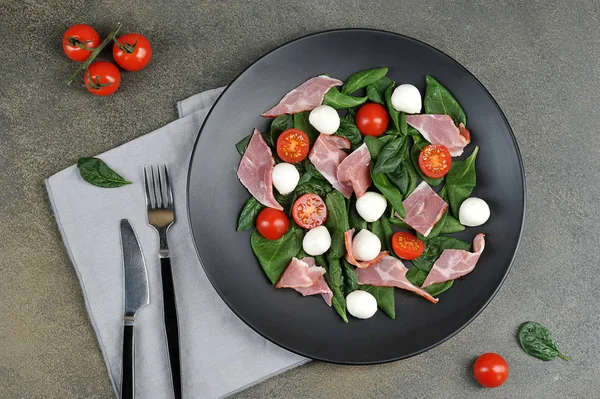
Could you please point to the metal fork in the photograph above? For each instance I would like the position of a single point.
(161, 215)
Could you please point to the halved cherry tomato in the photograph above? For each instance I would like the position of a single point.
(491, 370)
(292, 145)
(272, 223)
(79, 41)
(133, 52)
(102, 78)
(435, 160)
(309, 211)
(372, 119)
(407, 246)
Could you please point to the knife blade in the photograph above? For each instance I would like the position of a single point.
(136, 296)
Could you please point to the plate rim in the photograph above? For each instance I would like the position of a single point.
(392, 359)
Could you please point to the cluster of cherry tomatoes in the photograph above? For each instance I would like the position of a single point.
(131, 51)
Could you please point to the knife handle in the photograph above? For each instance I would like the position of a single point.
(171, 326)
(128, 363)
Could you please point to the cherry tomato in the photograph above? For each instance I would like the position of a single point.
(435, 160)
(102, 78)
(372, 119)
(292, 145)
(272, 223)
(309, 211)
(133, 53)
(407, 246)
(491, 370)
(79, 41)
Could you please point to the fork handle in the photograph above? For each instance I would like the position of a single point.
(171, 326)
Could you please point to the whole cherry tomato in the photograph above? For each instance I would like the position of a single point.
(79, 41)
(102, 78)
(133, 52)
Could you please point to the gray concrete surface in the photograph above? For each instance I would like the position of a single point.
(538, 58)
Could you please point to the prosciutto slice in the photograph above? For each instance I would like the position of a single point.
(307, 96)
(256, 171)
(306, 277)
(327, 155)
(455, 263)
(354, 170)
(350, 257)
(440, 129)
(424, 208)
(390, 272)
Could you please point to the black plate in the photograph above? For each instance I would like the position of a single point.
(306, 325)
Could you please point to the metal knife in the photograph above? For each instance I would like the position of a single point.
(136, 297)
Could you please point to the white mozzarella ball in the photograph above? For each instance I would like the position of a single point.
(473, 212)
(285, 177)
(366, 246)
(317, 241)
(406, 98)
(325, 119)
(361, 304)
(370, 206)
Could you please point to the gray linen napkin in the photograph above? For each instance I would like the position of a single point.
(219, 353)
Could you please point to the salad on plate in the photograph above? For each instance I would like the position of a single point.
(354, 182)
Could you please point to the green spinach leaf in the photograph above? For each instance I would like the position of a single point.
(350, 115)
(355, 221)
(243, 144)
(385, 298)
(395, 115)
(275, 255)
(337, 216)
(460, 181)
(418, 145)
(376, 90)
(390, 192)
(338, 245)
(438, 100)
(349, 130)
(417, 277)
(249, 213)
(96, 172)
(399, 223)
(451, 225)
(376, 144)
(405, 177)
(536, 340)
(437, 228)
(335, 280)
(434, 248)
(350, 278)
(279, 124)
(391, 156)
(403, 124)
(338, 100)
(301, 122)
(377, 228)
(362, 79)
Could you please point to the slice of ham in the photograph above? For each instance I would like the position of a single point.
(350, 257)
(256, 171)
(307, 96)
(354, 170)
(455, 263)
(424, 208)
(300, 274)
(390, 272)
(320, 287)
(440, 129)
(326, 155)
(339, 141)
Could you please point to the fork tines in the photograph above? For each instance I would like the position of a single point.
(159, 193)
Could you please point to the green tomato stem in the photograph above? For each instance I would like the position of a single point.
(94, 54)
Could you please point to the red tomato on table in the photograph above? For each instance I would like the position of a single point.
(272, 223)
(372, 119)
(133, 52)
(491, 370)
(79, 41)
(102, 78)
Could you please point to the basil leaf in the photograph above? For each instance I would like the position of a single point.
(438, 100)
(279, 125)
(393, 113)
(338, 100)
(417, 277)
(376, 144)
(390, 192)
(384, 297)
(376, 90)
(335, 281)
(537, 341)
(337, 216)
(399, 223)
(391, 156)
(249, 213)
(460, 181)
(362, 79)
(349, 130)
(434, 248)
(275, 255)
(96, 172)
(418, 145)
(301, 122)
(243, 144)
(355, 221)
(451, 225)
(350, 278)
